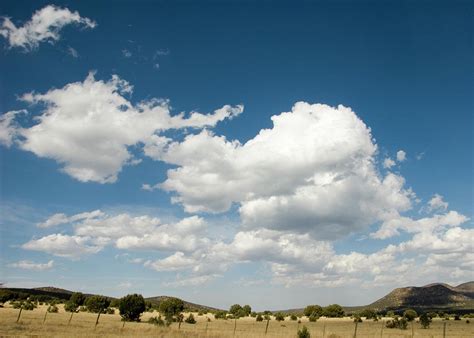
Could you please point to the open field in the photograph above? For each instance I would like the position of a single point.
(82, 324)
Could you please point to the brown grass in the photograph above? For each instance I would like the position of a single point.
(110, 326)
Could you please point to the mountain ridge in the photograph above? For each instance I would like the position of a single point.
(433, 296)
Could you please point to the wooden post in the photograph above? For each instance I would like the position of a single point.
(123, 325)
(381, 330)
(44, 318)
(324, 330)
(412, 329)
(235, 325)
(207, 323)
(444, 330)
(19, 314)
(70, 318)
(97, 320)
(266, 328)
(179, 323)
(355, 329)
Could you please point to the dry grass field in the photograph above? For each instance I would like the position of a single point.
(56, 324)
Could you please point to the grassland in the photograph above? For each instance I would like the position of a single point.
(56, 324)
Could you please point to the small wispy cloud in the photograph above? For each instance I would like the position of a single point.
(73, 52)
(29, 265)
(126, 53)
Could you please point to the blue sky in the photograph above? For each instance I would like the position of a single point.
(328, 204)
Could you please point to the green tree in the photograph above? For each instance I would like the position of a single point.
(234, 309)
(410, 314)
(310, 309)
(97, 304)
(333, 310)
(131, 307)
(425, 320)
(171, 307)
(368, 314)
(259, 318)
(72, 305)
(247, 309)
(293, 317)
(279, 317)
(220, 315)
(304, 333)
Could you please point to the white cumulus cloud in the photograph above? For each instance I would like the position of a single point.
(312, 172)
(88, 127)
(401, 156)
(44, 26)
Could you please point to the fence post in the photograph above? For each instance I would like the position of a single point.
(444, 330)
(70, 318)
(235, 325)
(355, 330)
(19, 314)
(45, 314)
(266, 328)
(97, 320)
(324, 330)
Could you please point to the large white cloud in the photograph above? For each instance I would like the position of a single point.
(94, 230)
(89, 126)
(44, 26)
(314, 171)
(64, 245)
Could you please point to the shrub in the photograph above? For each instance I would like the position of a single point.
(97, 304)
(425, 320)
(156, 321)
(279, 317)
(220, 315)
(77, 298)
(131, 307)
(110, 311)
(253, 314)
(457, 317)
(52, 309)
(190, 319)
(333, 310)
(247, 310)
(259, 318)
(25, 305)
(313, 318)
(410, 314)
(390, 314)
(304, 333)
(310, 309)
(368, 314)
(171, 307)
(357, 319)
(397, 323)
(293, 317)
(234, 309)
(267, 317)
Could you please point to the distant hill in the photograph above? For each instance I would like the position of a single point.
(64, 294)
(187, 305)
(433, 296)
